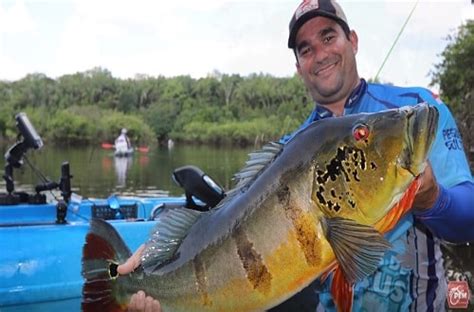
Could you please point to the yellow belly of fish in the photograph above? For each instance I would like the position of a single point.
(290, 269)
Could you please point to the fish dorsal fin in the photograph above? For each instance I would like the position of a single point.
(358, 248)
(171, 228)
(255, 165)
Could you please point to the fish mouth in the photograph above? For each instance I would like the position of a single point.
(421, 125)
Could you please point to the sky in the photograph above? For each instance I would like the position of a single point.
(200, 37)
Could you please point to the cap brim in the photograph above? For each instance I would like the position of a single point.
(306, 17)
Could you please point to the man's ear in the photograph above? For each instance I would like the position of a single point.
(298, 68)
(354, 41)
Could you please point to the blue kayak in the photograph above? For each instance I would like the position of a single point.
(40, 262)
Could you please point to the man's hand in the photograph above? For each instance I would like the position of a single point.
(132, 263)
(142, 303)
(426, 196)
(139, 301)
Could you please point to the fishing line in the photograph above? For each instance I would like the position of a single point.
(36, 170)
(40, 175)
(396, 40)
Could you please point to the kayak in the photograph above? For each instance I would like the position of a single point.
(41, 239)
(124, 153)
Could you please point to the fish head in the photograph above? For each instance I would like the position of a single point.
(369, 160)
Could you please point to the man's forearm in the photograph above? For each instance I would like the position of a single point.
(452, 216)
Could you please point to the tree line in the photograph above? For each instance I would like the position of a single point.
(92, 106)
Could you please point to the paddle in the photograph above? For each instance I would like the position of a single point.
(107, 145)
(143, 149)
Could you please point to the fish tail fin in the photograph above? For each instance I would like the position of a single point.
(342, 291)
(103, 250)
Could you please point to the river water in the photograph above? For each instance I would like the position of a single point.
(97, 173)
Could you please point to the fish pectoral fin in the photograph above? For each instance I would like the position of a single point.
(166, 237)
(358, 248)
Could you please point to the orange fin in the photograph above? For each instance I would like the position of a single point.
(326, 274)
(342, 291)
(399, 209)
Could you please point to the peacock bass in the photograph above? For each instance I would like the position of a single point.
(318, 204)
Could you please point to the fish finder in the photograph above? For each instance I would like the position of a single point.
(14, 155)
(30, 136)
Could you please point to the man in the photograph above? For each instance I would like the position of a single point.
(411, 275)
(122, 143)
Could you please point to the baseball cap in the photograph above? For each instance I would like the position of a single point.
(312, 8)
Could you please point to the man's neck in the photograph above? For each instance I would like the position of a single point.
(337, 107)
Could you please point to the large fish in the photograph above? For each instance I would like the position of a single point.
(318, 204)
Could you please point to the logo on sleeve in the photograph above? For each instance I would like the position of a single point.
(452, 139)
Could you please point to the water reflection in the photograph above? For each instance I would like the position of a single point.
(122, 164)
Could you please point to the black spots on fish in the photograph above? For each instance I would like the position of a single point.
(306, 235)
(320, 196)
(344, 169)
(373, 166)
(201, 281)
(320, 176)
(257, 273)
(334, 206)
(346, 163)
(335, 167)
(356, 177)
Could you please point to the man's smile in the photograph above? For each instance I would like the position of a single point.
(325, 69)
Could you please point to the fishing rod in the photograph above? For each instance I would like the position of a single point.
(396, 40)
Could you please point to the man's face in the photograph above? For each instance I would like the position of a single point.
(326, 60)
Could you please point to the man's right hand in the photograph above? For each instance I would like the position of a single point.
(139, 302)
(142, 303)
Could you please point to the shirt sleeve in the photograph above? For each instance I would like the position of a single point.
(452, 216)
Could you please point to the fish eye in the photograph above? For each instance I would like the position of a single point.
(360, 132)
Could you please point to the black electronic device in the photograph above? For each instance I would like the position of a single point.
(14, 155)
(199, 185)
(31, 138)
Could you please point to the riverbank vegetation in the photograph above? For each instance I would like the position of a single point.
(93, 106)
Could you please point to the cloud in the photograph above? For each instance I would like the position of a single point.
(195, 37)
(15, 19)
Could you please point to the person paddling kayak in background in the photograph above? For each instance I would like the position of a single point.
(122, 143)
(411, 275)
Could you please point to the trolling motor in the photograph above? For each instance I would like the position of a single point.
(28, 138)
(199, 185)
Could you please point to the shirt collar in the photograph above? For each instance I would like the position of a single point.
(356, 94)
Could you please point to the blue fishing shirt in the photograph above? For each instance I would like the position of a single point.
(411, 275)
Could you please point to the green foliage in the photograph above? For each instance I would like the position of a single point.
(455, 73)
(70, 128)
(93, 106)
(455, 77)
